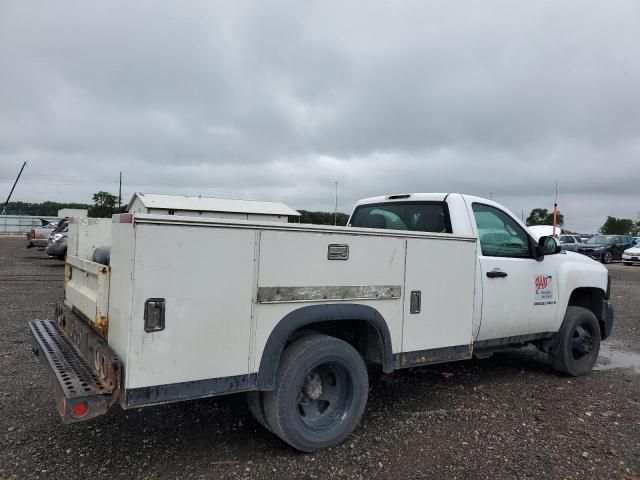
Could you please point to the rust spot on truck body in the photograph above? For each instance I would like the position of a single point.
(102, 325)
(435, 355)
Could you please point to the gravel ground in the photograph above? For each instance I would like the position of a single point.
(508, 416)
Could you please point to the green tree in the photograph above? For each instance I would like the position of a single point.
(617, 226)
(542, 216)
(104, 205)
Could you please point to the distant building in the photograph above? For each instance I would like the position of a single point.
(210, 207)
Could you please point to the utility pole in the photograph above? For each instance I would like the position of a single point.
(335, 212)
(4, 209)
(120, 193)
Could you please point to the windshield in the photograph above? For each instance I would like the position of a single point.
(414, 216)
(63, 226)
(608, 239)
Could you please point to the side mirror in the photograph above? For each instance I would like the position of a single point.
(546, 246)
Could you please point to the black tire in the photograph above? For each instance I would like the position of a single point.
(579, 342)
(628, 264)
(256, 407)
(607, 257)
(320, 393)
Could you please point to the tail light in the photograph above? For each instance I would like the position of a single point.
(80, 409)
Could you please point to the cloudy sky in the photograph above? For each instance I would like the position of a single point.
(277, 100)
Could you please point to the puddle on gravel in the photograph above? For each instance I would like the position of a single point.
(611, 357)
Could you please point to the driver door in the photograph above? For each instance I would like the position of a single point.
(519, 293)
(620, 244)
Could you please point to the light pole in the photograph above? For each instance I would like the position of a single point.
(335, 211)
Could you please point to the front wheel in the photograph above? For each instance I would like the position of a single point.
(607, 257)
(320, 393)
(579, 342)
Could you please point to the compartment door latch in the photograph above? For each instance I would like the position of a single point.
(154, 312)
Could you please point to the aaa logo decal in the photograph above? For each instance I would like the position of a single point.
(544, 290)
(542, 282)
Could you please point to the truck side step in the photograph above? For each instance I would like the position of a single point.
(77, 388)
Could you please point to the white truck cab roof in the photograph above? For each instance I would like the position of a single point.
(407, 197)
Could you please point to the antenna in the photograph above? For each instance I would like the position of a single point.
(4, 209)
(555, 211)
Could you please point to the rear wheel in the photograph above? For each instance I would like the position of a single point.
(255, 404)
(320, 393)
(579, 342)
(607, 257)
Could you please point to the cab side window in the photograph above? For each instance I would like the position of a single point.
(499, 234)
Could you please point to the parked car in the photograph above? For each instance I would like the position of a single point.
(57, 243)
(606, 248)
(635, 240)
(39, 236)
(294, 314)
(631, 255)
(570, 242)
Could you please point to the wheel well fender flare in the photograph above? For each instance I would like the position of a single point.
(314, 314)
(595, 300)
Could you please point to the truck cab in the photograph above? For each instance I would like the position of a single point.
(519, 293)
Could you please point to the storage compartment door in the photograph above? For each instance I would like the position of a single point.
(438, 310)
(201, 279)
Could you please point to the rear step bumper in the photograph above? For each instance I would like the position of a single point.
(84, 374)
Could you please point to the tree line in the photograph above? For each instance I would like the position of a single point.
(104, 205)
(323, 218)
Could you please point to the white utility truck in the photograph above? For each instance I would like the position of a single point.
(192, 307)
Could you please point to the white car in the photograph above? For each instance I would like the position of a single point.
(631, 255)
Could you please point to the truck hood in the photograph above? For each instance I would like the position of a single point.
(579, 258)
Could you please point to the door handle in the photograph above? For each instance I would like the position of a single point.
(496, 274)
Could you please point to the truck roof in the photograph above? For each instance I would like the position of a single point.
(410, 197)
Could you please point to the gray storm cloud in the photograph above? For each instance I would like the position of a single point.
(278, 100)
